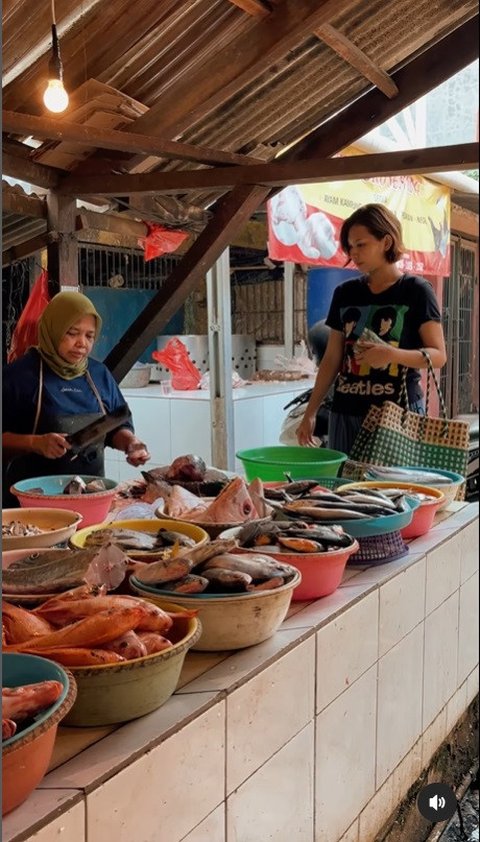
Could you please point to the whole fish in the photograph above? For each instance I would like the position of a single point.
(319, 513)
(188, 584)
(19, 703)
(92, 631)
(21, 625)
(267, 585)
(323, 534)
(78, 656)
(154, 642)
(129, 646)
(127, 539)
(165, 570)
(63, 569)
(257, 566)
(231, 580)
(415, 476)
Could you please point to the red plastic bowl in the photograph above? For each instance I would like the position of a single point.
(423, 517)
(321, 572)
(94, 507)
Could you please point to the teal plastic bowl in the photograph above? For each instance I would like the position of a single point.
(17, 670)
(271, 463)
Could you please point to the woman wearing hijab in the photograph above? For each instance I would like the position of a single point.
(54, 390)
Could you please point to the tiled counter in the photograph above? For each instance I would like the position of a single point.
(170, 423)
(313, 736)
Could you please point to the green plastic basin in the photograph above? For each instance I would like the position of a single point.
(271, 463)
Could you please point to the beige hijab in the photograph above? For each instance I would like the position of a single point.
(59, 315)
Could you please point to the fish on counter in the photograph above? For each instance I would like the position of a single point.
(78, 486)
(417, 476)
(133, 540)
(293, 536)
(233, 505)
(57, 570)
(216, 568)
(96, 630)
(25, 702)
(329, 507)
(190, 468)
(191, 472)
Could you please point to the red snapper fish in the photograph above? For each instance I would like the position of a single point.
(233, 505)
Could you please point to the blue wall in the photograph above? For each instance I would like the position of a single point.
(118, 309)
(320, 286)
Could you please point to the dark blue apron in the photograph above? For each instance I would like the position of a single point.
(26, 466)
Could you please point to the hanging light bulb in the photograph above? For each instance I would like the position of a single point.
(55, 96)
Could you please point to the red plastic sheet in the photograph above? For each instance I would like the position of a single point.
(26, 331)
(160, 240)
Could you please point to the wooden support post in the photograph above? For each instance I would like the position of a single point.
(62, 253)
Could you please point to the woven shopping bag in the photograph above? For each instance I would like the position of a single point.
(393, 435)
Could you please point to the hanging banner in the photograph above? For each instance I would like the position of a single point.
(304, 221)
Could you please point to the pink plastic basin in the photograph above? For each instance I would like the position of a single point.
(423, 517)
(94, 507)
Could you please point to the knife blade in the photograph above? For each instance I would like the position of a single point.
(97, 430)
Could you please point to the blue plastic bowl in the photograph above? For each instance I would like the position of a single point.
(19, 669)
(54, 485)
(379, 525)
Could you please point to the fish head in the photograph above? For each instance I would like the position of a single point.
(234, 504)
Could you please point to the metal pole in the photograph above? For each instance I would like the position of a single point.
(288, 308)
(220, 363)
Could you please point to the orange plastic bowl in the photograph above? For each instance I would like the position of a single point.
(321, 572)
(26, 755)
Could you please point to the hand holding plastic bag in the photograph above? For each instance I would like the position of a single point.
(175, 357)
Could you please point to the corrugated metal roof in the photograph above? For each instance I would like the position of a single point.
(147, 49)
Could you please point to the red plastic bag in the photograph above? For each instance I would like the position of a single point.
(160, 240)
(175, 357)
(26, 330)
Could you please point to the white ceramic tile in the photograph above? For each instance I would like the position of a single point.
(40, 809)
(468, 629)
(433, 736)
(402, 605)
(190, 429)
(469, 551)
(261, 717)
(472, 685)
(322, 611)
(239, 667)
(276, 803)
(456, 707)
(346, 648)
(399, 715)
(345, 758)
(383, 804)
(212, 829)
(441, 651)
(443, 573)
(151, 419)
(352, 833)
(173, 787)
(378, 574)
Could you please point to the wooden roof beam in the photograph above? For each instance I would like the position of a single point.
(279, 173)
(50, 128)
(356, 58)
(338, 42)
(14, 200)
(16, 163)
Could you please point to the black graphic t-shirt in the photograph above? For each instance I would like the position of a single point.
(395, 316)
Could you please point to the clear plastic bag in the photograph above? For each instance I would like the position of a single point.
(288, 432)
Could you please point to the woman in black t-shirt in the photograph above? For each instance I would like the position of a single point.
(378, 324)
